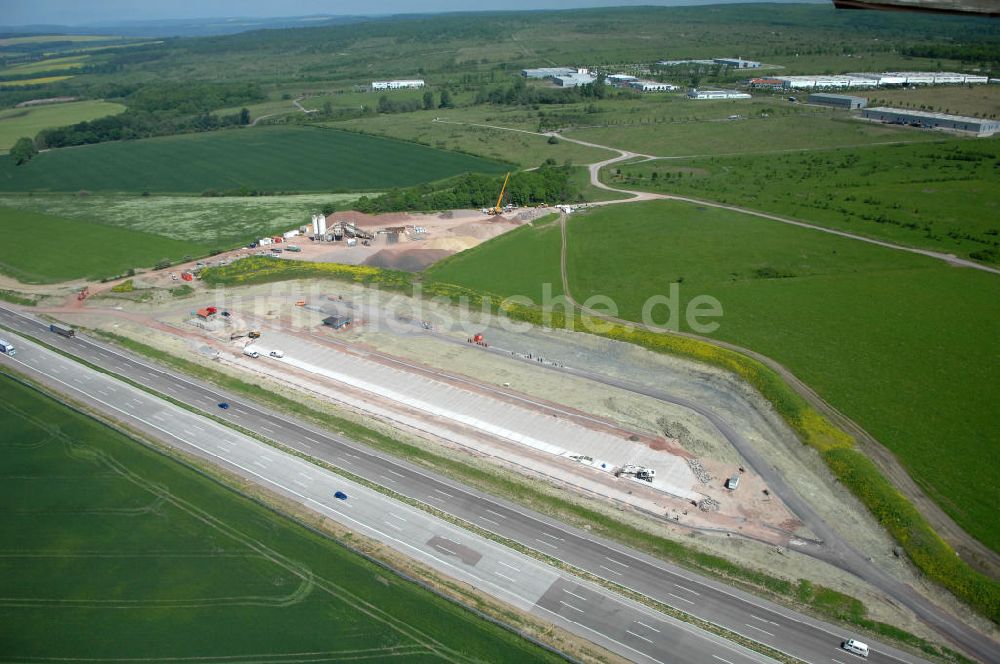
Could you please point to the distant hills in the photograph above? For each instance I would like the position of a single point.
(204, 27)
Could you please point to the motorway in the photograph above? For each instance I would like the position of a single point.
(800, 636)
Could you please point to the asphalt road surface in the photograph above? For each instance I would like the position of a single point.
(798, 635)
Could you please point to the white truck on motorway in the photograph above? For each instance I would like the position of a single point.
(251, 351)
(7, 348)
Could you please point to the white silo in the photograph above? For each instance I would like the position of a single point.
(322, 224)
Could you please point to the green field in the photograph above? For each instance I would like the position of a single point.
(102, 536)
(33, 81)
(205, 221)
(515, 263)
(459, 132)
(50, 64)
(752, 134)
(904, 345)
(19, 122)
(46, 39)
(943, 196)
(41, 248)
(272, 159)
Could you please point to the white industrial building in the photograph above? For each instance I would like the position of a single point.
(674, 63)
(835, 81)
(929, 78)
(576, 79)
(717, 94)
(406, 84)
(878, 80)
(651, 86)
(548, 72)
(737, 63)
(928, 120)
(620, 80)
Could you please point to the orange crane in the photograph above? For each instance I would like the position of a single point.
(496, 209)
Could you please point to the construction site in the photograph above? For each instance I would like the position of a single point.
(580, 416)
(657, 442)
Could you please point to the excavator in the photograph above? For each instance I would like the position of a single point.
(497, 209)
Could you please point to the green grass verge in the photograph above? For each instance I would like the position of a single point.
(41, 248)
(17, 123)
(269, 159)
(942, 196)
(85, 505)
(823, 601)
(17, 298)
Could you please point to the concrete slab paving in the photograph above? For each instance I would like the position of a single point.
(539, 431)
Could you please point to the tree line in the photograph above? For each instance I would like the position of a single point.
(159, 110)
(520, 94)
(132, 125)
(548, 184)
(427, 103)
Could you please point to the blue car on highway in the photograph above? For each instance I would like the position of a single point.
(340, 495)
(224, 406)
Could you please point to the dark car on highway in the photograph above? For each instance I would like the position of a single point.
(224, 405)
(340, 495)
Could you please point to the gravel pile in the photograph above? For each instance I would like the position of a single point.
(708, 505)
(699, 471)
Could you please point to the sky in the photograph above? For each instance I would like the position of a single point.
(83, 12)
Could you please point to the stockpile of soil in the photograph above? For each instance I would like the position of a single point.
(409, 260)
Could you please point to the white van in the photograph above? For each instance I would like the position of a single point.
(856, 647)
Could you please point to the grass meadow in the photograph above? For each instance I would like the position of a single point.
(215, 222)
(42, 248)
(16, 123)
(904, 345)
(458, 132)
(94, 523)
(751, 134)
(272, 159)
(515, 263)
(41, 80)
(46, 65)
(943, 196)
